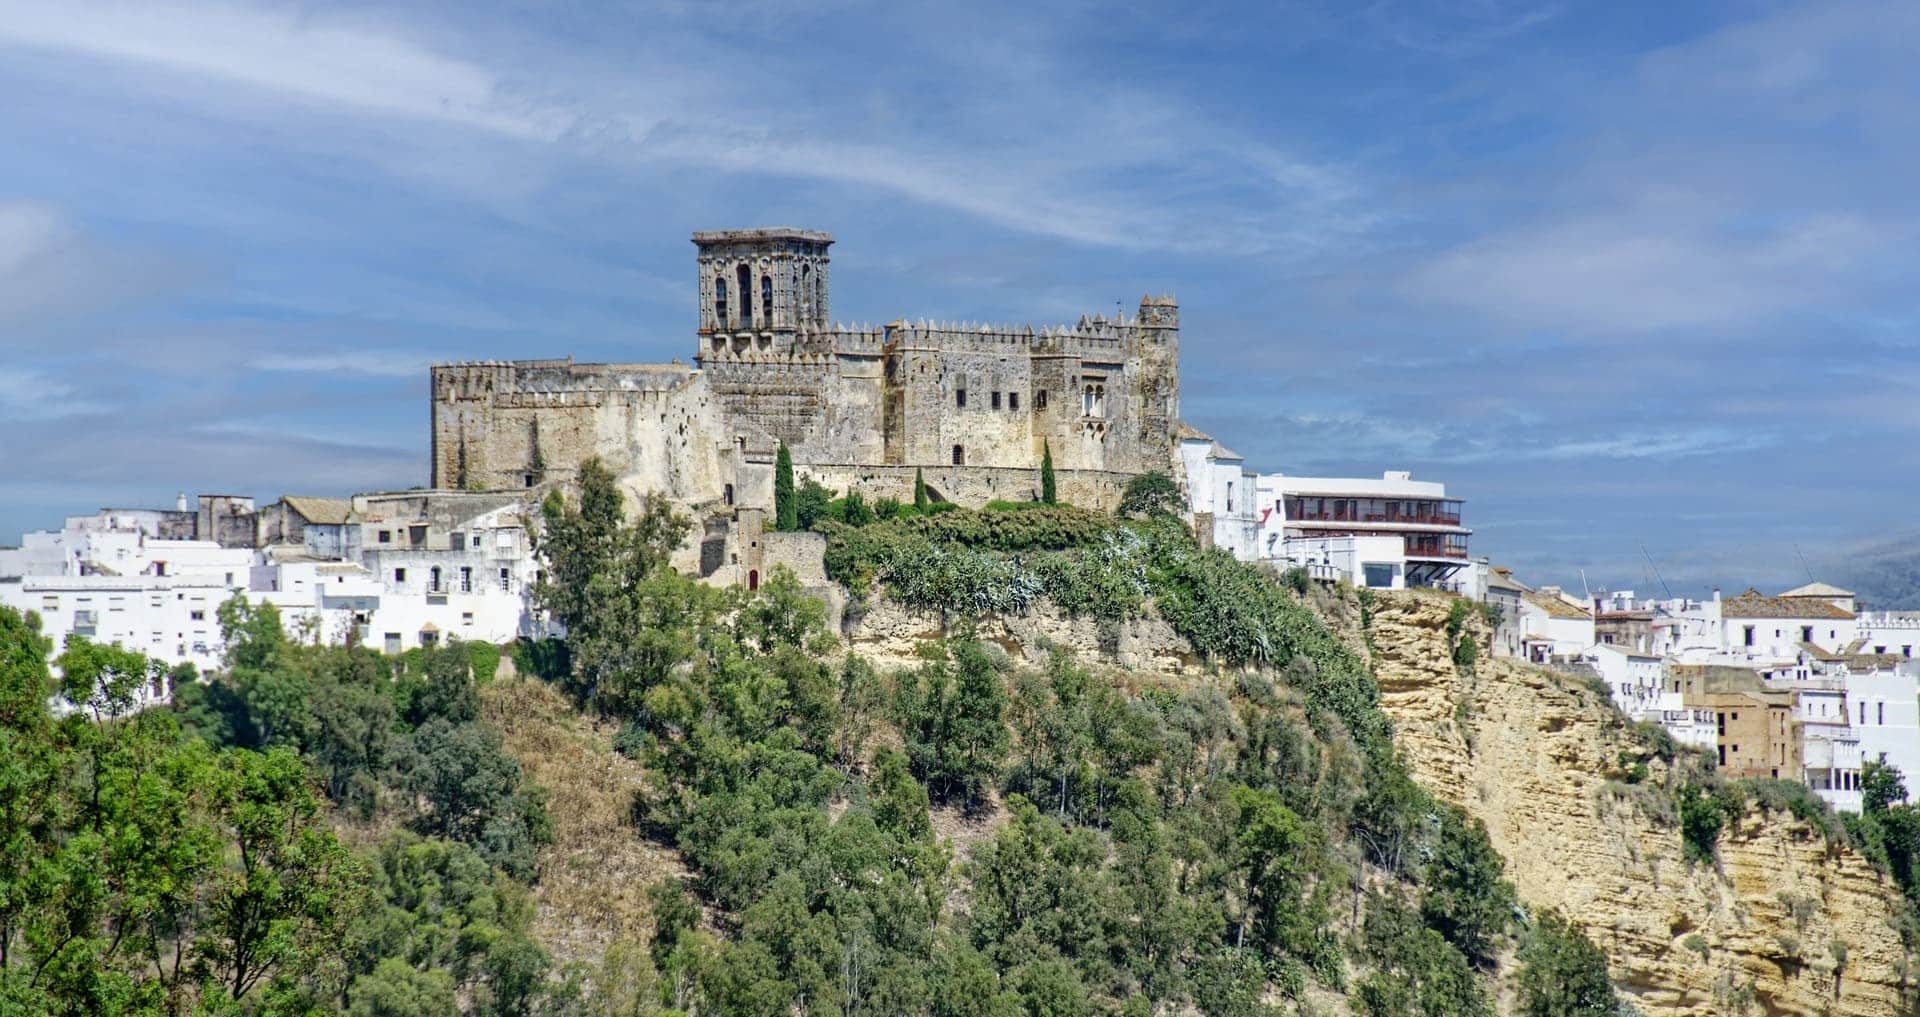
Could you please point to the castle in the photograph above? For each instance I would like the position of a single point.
(859, 408)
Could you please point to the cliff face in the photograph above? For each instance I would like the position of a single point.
(1785, 924)
(889, 634)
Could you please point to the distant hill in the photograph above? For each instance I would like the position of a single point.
(1885, 575)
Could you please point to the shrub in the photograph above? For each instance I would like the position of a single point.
(1295, 579)
(1150, 494)
(1800, 801)
(1704, 812)
(1563, 974)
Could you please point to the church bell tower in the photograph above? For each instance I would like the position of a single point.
(760, 288)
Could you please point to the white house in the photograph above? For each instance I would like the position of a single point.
(1553, 624)
(1506, 595)
(1636, 679)
(1885, 711)
(1375, 562)
(1830, 751)
(1777, 628)
(1221, 493)
(393, 570)
(1416, 515)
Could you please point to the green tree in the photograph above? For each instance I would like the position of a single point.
(1150, 494)
(1049, 494)
(1881, 786)
(466, 787)
(608, 581)
(396, 989)
(952, 713)
(142, 872)
(812, 503)
(282, 900)
(920, 499)
(1562, 974)
(1466, 898)
(786, 512)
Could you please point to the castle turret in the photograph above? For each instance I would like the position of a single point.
(759, 288)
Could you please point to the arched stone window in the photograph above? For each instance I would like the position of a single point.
(746, 297)
(720, 301)
(766, 297)
(806, 294)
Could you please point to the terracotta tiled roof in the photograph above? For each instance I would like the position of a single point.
(320, 510)
(1819, 654)
(1557, 608)
(1754, 604)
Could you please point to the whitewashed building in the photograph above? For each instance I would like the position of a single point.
(390, 570)
(1884, 707)
(1404, 532)
(1553, 624)
(1637, 680)
(1222, 499)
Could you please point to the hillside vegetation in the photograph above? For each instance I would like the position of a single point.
(704, 802)
(1250, 843)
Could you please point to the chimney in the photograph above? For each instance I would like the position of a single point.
(180, 502)
(1716, 594)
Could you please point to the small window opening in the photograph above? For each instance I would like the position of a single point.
(996, 400)
(766, 297)
(720, 302)
(746, 297)
(1013, 400)
(959, 455)
(960, 397)
(1040, 399)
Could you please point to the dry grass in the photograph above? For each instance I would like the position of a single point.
(594, 877)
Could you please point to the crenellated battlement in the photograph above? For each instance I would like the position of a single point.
(771, 367)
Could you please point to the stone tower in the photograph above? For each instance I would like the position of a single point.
(759, 288)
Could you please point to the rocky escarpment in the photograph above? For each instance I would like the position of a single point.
(890, 634)
(1785, 923)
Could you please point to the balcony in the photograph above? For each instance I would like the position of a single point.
(1424, 546)
(1388, 511)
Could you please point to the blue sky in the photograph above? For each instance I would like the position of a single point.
(1619, 274)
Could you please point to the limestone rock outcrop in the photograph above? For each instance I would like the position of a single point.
(889, 634)
(1785, 923)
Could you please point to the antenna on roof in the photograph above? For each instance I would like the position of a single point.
(1803, 562)
(1656, 570)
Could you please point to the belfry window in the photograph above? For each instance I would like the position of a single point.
(806, 294)
(746, 297)
(720, 302)
(766, 297)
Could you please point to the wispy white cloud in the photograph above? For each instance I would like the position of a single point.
(316, 57)
(371, 363)
(1057, 155)
(32, 395)
(1677, 261)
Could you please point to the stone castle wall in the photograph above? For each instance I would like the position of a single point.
(859, 407)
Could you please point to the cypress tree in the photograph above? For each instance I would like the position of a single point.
(786, 512)
(919, 488)
(1048, 493)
